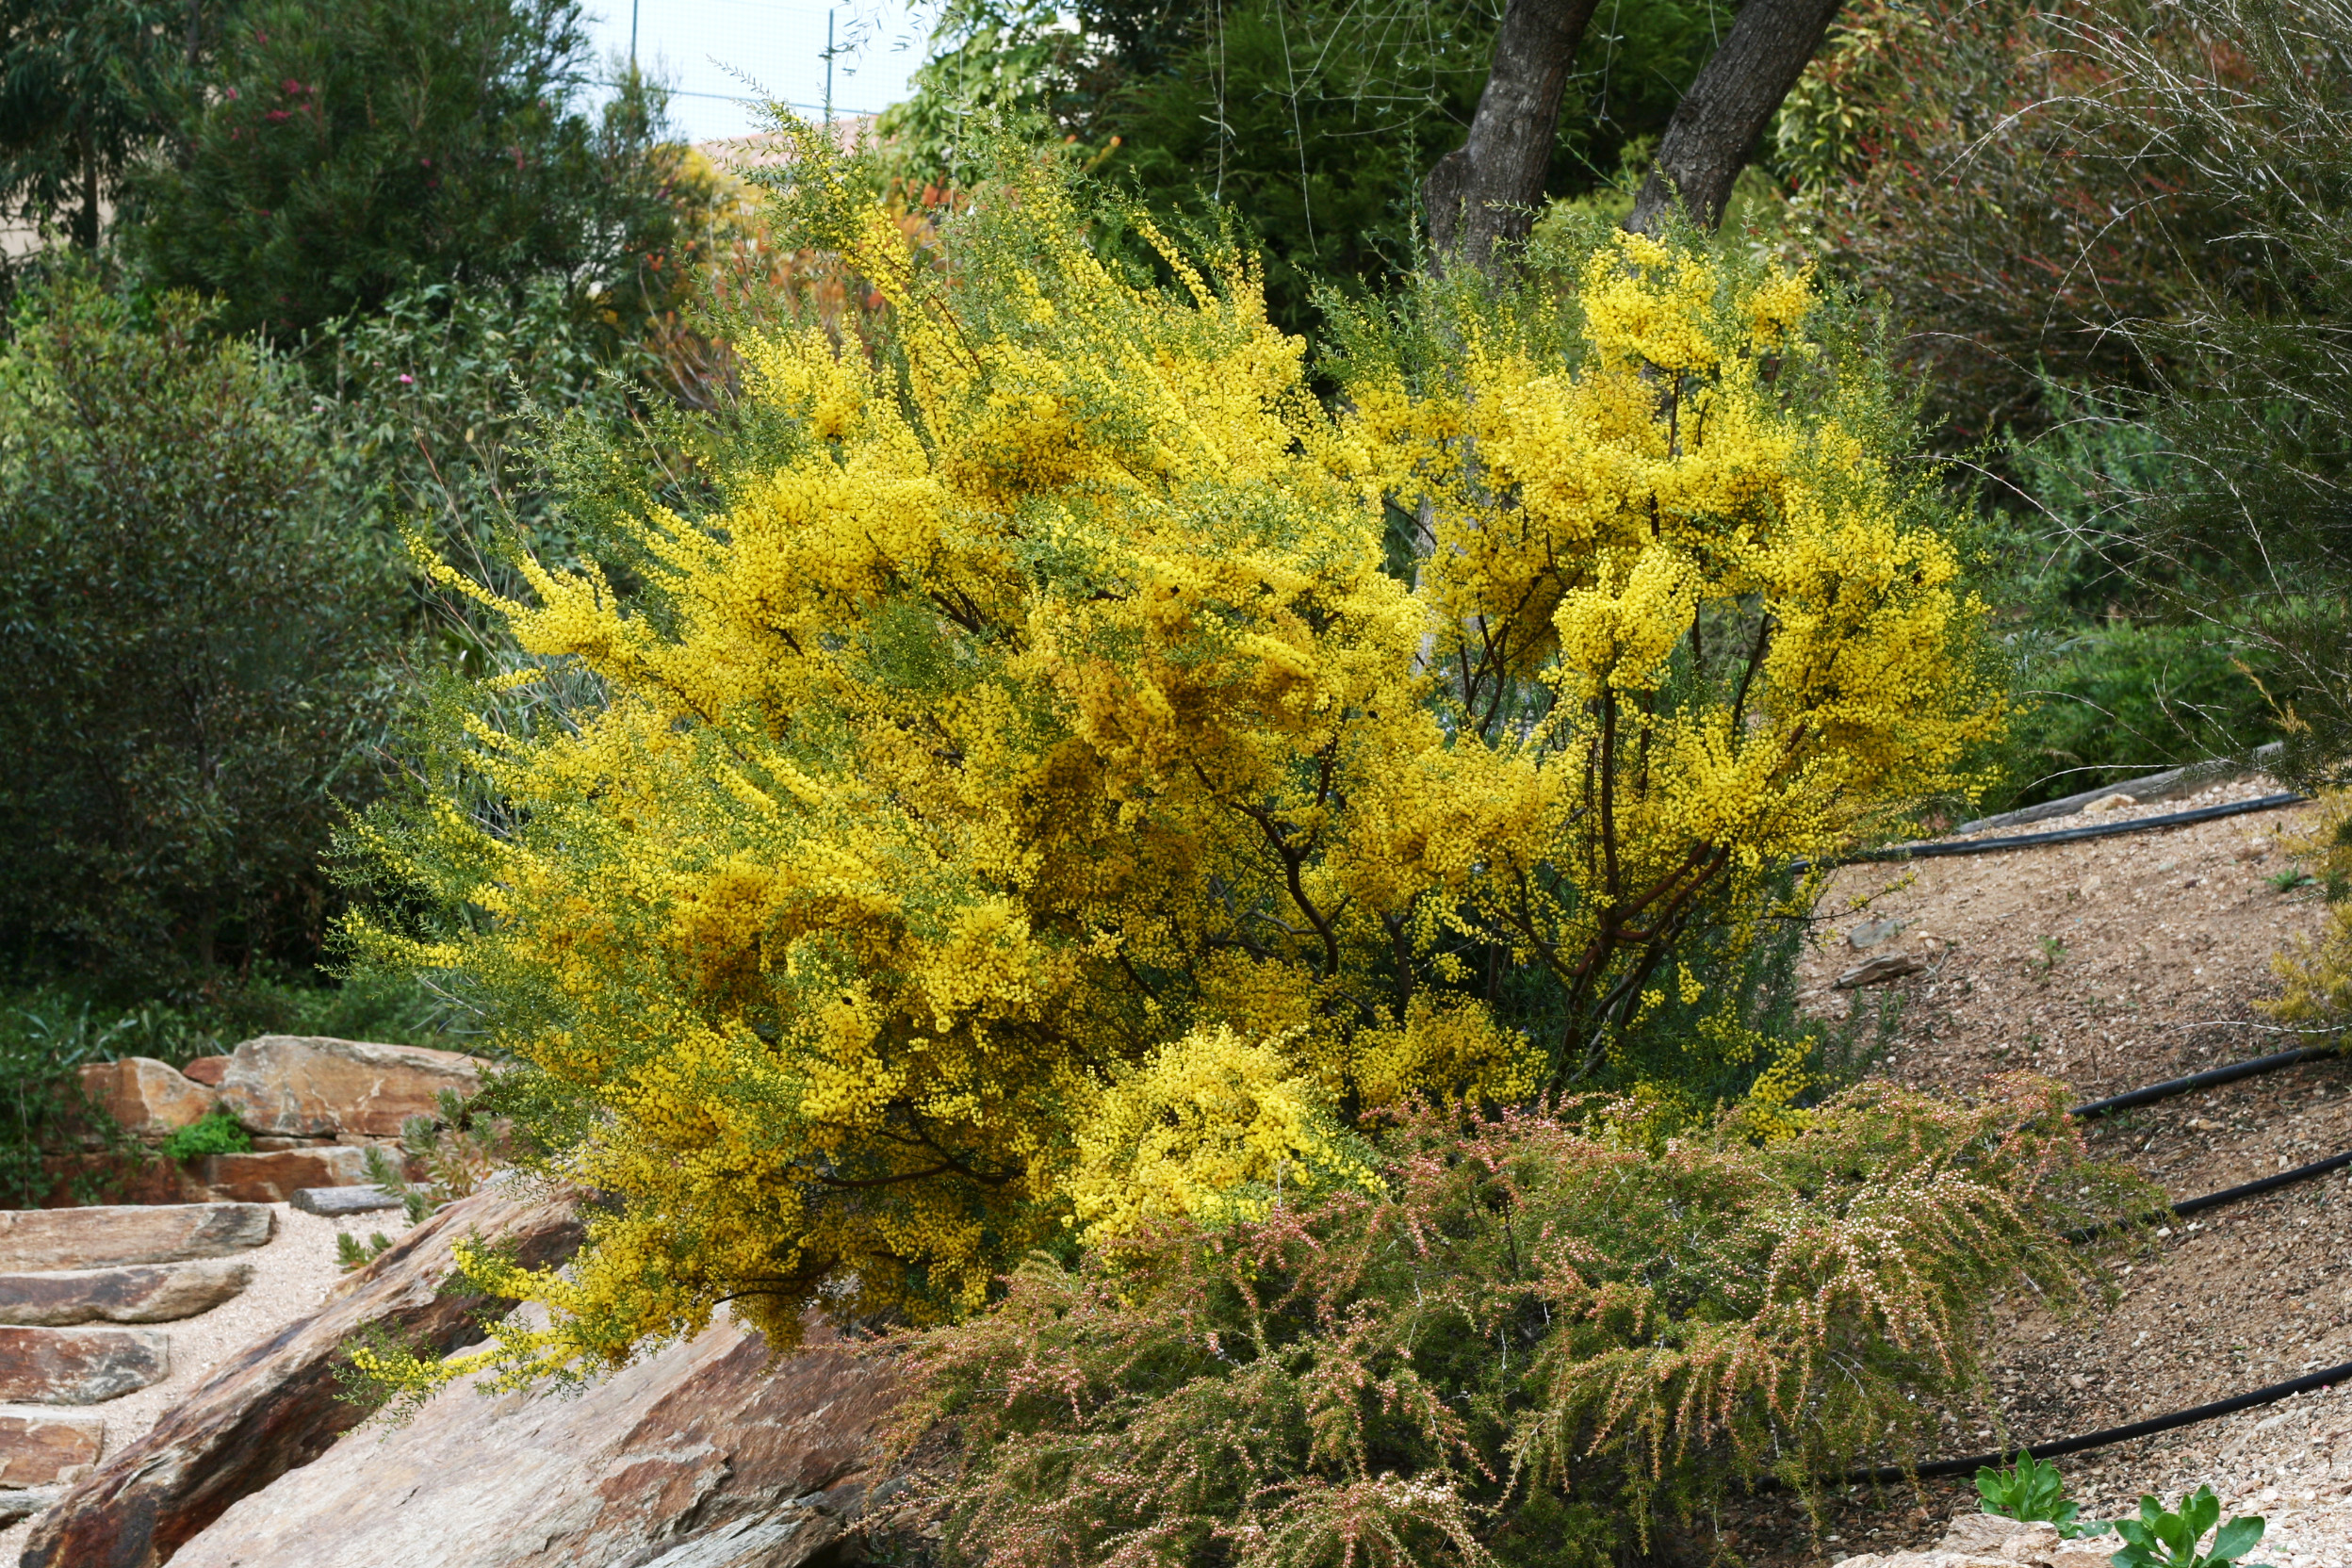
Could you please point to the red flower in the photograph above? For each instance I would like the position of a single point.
(277, 114)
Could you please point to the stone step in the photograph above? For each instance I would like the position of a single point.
(23, 1504)
(48, 1450)
(142, 1292)
(47, 1239)
(79, 1366)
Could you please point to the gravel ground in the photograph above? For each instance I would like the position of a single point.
(291, 1275)
(2112, 964)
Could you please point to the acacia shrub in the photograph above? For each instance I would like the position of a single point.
(1537, 1338)
(1041, 790)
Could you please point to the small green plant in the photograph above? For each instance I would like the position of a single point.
(456, 1153)
(2288, 880)
(2029, 1490)
(351, 1252)
(2159, 1538)
(216, 1133)
(2053, 952)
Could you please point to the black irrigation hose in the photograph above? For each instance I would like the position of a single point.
(2252, 1067)
(2149, 1428)
(2188, 1206)
(1937, 849)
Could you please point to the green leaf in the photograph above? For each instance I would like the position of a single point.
(2237, 1538)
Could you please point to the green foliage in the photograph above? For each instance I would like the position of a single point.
(1309, 125)
(42, 1103)
(215, 1132)
(351, 1252)
(2029, 1490)
(352, 151)
(2164, 1538)
(195, 634)
(2106, 703)
(1535, 1342)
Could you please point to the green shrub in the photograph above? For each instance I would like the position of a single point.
(194, 637)
(1535, 1340)
(42, 1103)
(2111, 702)
(216, 1133)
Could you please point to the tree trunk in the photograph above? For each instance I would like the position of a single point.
(1716, 124)
(1480, 196)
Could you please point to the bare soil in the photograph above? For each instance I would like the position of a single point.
(2113, 964)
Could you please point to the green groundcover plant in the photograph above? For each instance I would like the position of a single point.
(1532, 1341)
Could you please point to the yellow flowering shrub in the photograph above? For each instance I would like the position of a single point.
(1062, 772)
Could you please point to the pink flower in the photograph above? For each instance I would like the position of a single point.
(276, 114)
(408, 381)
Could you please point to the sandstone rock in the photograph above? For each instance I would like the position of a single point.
(2096, 1552)
(702, 1456)
(1935, 1558)
(45, 1450)
(143, 1292)
(274, 1177)
(79, 1366)
(1885, 967)
(335, 1201)
(103, 1237)
(15, 1504)
(206, 1070)
(296, 1086)
(272, 1408)
(2116, 802)
(149, 1098)
(2036, 1544)
(1982, 1533)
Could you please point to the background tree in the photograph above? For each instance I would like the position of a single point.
(347, 153)
(1309, 126)
(86, 88)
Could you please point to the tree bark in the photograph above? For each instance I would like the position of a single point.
(1480, 195)
(1716, 125)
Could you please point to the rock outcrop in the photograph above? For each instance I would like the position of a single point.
(1991, 1540)
(300, 1085)
(150, 1099)
(44, 1239)
(702, 1456)
(273, 1407)
(276, 1175)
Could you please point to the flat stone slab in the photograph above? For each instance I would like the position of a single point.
(22, 1504)
(335, 1201)
(48, 1450)
(79, 1366)
(306, 1086)
(42, 1239)
(276, 1175)
(140, 1293)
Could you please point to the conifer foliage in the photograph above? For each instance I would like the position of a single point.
(1068, 777)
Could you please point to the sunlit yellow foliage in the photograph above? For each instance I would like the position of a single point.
(2316, 971)
(1069, 774)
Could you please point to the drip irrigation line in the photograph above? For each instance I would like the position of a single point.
(2108, 1437)
(2253, 1066)
(1941, 849)
(2188, 1206)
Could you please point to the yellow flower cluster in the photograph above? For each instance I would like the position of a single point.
(1031, 794)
